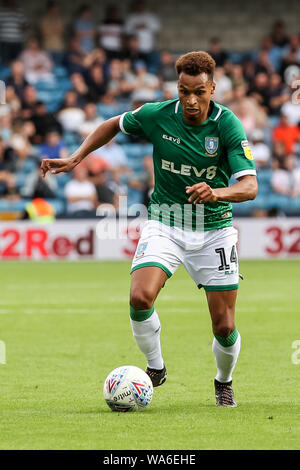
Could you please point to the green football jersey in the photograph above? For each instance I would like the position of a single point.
(184, 155)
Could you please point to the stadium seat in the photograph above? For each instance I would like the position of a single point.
(6, 205)
(4, 72)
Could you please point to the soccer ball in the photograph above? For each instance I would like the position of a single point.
(128, 388)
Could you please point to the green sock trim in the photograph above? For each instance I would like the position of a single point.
(230, 340)
(140, 315)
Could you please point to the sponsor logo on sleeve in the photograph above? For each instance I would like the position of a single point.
(247, 150)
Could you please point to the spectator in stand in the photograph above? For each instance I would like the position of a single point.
(263, 63)
(29, 102)
(167, 73)
(273, 51)
(166, 70)
(84, 28)
(110, 32)
(259, 90)
(114, 85)
(217, 52)
(261, 152)
(144, 25)
(71, 116)
(75, 57)
(81, 88)
(97, 83)
(278, 34)
(142, 182)
(81, 193)
(223, 92)
(291, 108)
(44, 122)
(12, 101)
(53, 147)
(37, 63)
(247, 109)
(236, 76)
(52, 29)
(13, 24)
(17, 78)
(129, 79)
(91, 121)
(97, 57)
(98, 171)
(147, 84)
(20, 138)
(131, 49)
(291, 55)
(286, 133)
(286, 177)
(248, 68)
(114, 157)
(8, 158)
(278, 94)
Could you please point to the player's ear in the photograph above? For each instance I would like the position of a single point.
(213, 88)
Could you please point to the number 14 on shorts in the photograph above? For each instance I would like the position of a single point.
(224, 266)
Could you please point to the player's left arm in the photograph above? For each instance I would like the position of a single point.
(244, 190)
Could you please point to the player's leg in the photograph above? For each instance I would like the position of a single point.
(215, 268)
(226, 343)
(156, 259)
(227, 340)
(146, 284)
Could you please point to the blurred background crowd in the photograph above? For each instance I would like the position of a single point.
(64, 77)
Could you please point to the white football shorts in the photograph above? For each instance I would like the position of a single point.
(210, 257)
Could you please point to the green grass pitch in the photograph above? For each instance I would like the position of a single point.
(66, 326)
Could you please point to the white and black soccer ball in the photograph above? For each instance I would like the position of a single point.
(128, 388)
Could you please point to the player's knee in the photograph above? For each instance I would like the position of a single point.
(223, 330)
(223, 326)
(141, 299)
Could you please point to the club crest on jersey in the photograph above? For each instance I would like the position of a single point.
(211, 146)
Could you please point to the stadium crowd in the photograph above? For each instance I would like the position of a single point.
(61, 84)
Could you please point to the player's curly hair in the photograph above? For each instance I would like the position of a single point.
(194, 63)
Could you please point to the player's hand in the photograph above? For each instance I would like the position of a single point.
(57, 165)
(201, 193)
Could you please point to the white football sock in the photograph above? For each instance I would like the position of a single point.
(147, 336)
(226, 358)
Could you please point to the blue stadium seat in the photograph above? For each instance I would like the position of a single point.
(4, 72)
(71, 138)
(107, 110)
(6, 205)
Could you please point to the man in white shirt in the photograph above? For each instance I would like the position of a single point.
(80, 193)
(144, 25)
(260, 150)
(91, 122)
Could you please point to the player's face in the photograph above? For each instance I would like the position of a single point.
(195, 94)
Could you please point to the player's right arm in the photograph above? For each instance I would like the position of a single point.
(103, 134)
